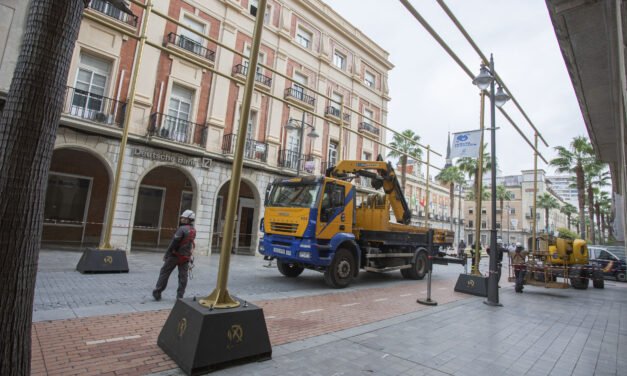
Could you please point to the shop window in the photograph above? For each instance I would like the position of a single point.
(149, 208)
(66, 199)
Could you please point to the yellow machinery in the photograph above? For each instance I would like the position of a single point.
(563, 258)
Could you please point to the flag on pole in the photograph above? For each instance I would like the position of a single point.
(466, 144)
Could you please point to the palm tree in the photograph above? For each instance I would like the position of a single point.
(485, 194)
(573, 160)
(601, 199)
(28, 126)
(502, 194)
(407, 145)
(470, 167)
(547, 202)
(451, 176)
(605, 206)
(595, 177)
(568, 210)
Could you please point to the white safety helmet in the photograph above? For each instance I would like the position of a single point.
(188, 214)
(518, 245)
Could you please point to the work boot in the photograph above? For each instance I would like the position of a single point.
(156, 294)
(179, 296)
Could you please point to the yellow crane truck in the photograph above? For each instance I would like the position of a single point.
(315, 222)
(564, 258)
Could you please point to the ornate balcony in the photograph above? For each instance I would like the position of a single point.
(289, 159)
(191, 46)
(300, 95)
(242, 69)
(94, 107)
(367, 127)
(178, 130)
(253, 149)
(335, 112)
(113, 12)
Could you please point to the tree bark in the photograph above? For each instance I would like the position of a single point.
(581, 199)
(28, 128)
(597, 211)
(591, 213)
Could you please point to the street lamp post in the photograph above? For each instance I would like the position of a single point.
(459, 214)
(484, 80)
(301, 137)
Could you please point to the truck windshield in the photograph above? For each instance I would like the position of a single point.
(294, 195)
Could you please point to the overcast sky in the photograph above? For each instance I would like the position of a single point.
(432, 95)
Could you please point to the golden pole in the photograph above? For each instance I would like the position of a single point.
(106, 241)
(535, 194)
(478, 191)
(220, 297)
(427, 193)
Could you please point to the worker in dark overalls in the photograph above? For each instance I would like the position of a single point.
(179, 255)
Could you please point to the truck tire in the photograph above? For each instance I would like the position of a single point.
(340, 273)
(579, 280)
(597, 279)
(621, 277)
(418, 270)
(289, 269)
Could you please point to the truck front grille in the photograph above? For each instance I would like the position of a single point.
(284, 227)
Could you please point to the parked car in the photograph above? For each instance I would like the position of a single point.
(610, 259)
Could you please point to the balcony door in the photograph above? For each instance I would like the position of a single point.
(177, 125)
(298, 85)
(292, 154)
(189, 40)
(90, 87)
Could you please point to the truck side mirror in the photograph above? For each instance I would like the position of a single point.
(267, 196)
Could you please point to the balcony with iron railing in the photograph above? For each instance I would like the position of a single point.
(289, 159)
(191, 46)
(367, 127)
(253, 149)
(300, 95)
(241, 69)
(178, 130)
(335, 112)
(106, 8)
(94, 107)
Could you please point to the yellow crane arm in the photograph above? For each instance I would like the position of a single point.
(381, 174)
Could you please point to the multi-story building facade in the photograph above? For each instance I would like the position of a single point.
(514, 220)
(185, 117)
(561, 185)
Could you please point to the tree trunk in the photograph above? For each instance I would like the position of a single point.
(581, 198)
(546, 220)
(591, 213)
(597, 211)
(404, 171)
(568, 219)
(28, 128)
(451, 194)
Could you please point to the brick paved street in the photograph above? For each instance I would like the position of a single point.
(374, 327)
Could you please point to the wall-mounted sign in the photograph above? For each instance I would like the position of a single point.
(171, 158)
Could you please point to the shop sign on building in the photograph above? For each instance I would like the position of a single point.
(171, 158)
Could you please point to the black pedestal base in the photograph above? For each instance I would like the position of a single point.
(201, 340)
(428, 302)
(101, 261)
(472, 284)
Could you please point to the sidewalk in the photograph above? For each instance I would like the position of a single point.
(373, 328)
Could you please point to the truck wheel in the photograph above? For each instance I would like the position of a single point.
(340, 273)
(621, 277)
(417, 270)
(597, 279)
(289, 269)
(579, 281)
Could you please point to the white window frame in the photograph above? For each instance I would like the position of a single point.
(367, 76)
(91, 96)
(304, 37)
(368, 116)
(332, 153)
(196, 42)
(339, 60)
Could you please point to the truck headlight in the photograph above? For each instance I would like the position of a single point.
(261, 247)
(305, 255)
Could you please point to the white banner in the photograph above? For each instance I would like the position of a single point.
(466, 144)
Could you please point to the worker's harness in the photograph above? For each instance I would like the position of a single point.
(181, 259)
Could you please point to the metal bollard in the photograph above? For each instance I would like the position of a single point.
(428, 301)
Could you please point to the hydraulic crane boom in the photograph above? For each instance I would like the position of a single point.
(381, 174)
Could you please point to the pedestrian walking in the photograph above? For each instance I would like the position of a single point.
(520, 268)
(179, 254)
(460, 249)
